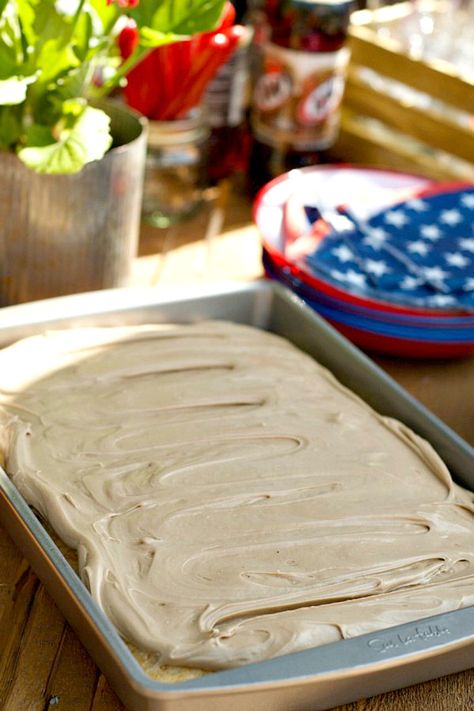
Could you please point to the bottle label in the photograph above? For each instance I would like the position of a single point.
(297, 97)
(225, 95)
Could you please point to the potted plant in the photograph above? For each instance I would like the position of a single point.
(71, 167)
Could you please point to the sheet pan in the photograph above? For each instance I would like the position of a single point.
(319, 678)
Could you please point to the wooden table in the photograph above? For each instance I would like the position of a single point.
(42, 663)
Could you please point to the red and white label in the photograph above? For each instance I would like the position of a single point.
(297, 96)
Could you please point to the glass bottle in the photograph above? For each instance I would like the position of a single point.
(226, 100)
(176, 172)
(299, 86)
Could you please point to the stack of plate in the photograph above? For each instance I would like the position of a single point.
(313, 222)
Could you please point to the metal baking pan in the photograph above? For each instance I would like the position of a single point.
(319, 678)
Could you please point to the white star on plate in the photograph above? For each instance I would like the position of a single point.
(337, 275)
(410, 282)
(417, 205)
(469, 284)
(397, 219)
(354, 278)
(343, 253)
(378, 268)
(467, 244)
(434, 273)
(468, 200)
(431, 232)
(456, 259)
(418, 248)
(450, 217)
(441, 300)
(375, 237)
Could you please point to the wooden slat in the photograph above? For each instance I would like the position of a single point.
(10, 562)
(105, 699)
(73, 680)
(431, 696)
(413, 134)
(39, 646)
(358, 143)
(437, 79)
(423, 125)
(13, 622)
(438, 385)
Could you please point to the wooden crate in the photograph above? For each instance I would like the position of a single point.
(403, 112)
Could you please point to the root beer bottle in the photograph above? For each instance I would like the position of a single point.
(298, 86)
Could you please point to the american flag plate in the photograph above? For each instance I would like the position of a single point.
(387, 257)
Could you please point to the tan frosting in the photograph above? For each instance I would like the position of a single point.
(230, 501)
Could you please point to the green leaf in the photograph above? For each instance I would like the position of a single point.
(73, 109)
(13, 91)
(82, 35)
(11, 50)
(9, 66)
(152, 38)
(187, 18)
(72, 84)
(49, 104)
(3, 4)
(49, 24)
(105, 14)
(82, 139)
(10, 126)
(48, 35)
(179, 17)
(26, 13)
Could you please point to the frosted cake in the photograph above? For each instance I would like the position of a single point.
(228, 499)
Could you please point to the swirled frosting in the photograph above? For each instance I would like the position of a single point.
(230, 501)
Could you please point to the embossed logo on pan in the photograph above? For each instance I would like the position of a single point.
(385, 644)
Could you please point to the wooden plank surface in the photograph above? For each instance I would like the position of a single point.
(370, 145)
(402, 115)
(438, 79)
(397, 132)
(43, 666)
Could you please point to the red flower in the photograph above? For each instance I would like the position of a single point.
(124, 3)
(128, 39)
